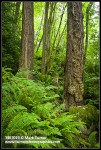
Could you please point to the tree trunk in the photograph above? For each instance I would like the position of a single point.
(16, 18)
(73, 86)
(87, 23)
(17, 12)
(48, 22)
(59, 25)
(27, 49)
(45, 40)
(39, 43)
(61, 35)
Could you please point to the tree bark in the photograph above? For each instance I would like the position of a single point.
(17, 12)
(48, 21)
(45, 40)
(59, 24)
(61, 35)
(87, 23)
(27, 49)
(50, 25)
(73, 83)
(39, 44)
(15, 27)
(37, 33)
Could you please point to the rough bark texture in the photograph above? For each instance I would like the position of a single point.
(74, 88)
(27, 49)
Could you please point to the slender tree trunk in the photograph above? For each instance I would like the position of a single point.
(61, 35)
(45, 40)
(73, 86)
(59, 25)
(48, 21)
(39, 43)
(15, 22)
(17, 12)
(87, 23)
(27, 49)
(37, 33)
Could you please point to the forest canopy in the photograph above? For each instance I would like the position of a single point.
(50, 74)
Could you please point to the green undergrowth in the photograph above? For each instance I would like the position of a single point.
(32, 109)
(87, 113)
(90, 115)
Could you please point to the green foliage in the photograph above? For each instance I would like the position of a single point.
(47, 79)
(32, 107)
(90, 115)
(30, 124)
(33, 111)
(91, 70)
(21, 121)
(9, 113)
(11, 31)
(91, 84)
(21, 90)
(87, 113)
(6, 74)
(92, 140)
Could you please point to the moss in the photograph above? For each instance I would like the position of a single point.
(87, 113)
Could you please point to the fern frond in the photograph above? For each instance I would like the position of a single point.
(22, 121)
(9, 113)
(92, 139)
(63, 120)
(44, 110)
(17, 132)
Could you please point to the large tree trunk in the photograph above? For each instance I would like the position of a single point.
(74, 88)
(27, 49)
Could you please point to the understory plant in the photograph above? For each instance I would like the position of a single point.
(32, 109)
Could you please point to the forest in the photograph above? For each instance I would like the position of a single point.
(50, 74)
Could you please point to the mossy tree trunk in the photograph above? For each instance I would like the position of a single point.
(73, 86)
(27, 43)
